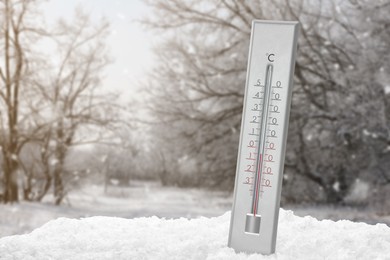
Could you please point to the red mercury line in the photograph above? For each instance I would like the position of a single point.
(255, 202)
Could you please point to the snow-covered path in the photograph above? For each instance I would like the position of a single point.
(201, 238)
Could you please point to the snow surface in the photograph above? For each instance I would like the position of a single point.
(142, 199)
(146, 199)
(201, 238)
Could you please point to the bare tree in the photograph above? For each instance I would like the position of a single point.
(14, 68)
(197, 89)
(200, 104)
(336, 101)
(75, 106)
(49, 105)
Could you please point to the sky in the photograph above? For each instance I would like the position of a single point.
(129, 43)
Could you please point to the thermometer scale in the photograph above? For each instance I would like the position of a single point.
(258, 184)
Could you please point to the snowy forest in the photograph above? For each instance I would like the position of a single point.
(63, 129)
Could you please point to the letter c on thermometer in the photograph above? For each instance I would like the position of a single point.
(271, 57)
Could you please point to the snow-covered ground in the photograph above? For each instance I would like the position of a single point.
(145, 199)
(368, 214)
(142, 199)
(200, 238)
(191, 228)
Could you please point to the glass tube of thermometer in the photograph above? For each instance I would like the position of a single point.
(253, 219)
(253, 225)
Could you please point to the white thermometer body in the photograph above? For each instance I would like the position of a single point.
(264, 127)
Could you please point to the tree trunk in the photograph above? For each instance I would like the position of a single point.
(10, 167)
(58, 185)
(12, 56)
(46, 187)
(60, 154)
(59, 192)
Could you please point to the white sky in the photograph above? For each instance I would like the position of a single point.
(130, 46)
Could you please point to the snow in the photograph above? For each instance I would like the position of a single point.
(336, 186)
(200, 238)
(14, 157)
(200, 235)
(387, 90)
(359, 192)
(141, 199)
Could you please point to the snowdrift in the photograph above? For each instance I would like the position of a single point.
(202, 238)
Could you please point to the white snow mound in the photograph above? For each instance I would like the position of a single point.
(202, 238)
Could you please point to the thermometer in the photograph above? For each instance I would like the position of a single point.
(258, 184)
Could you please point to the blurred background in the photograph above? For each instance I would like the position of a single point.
(133, 108)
